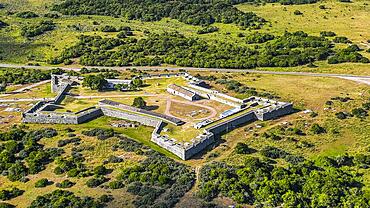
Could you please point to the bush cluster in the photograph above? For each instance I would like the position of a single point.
(3, 24)
(63, 198)
(65, 184)
(37, 29)
(259, 183)
(189, 12)
(21, 154)
(209, 29)
(7, 194)
(73, 166)
(27, 15)
(64, 142)
(259, 38)
(290, 49)
(100, 133)
(157, 181)
(23, 76)
(43, 183)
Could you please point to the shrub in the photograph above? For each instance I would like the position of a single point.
(341, 115)
(242, 148)
(49, 132)
(6, 205)
(366, 106)
(327, 34)
(3, 24)
(65, 184)
(113, 159)
(100, 170)
(273, 152)
(43, 183)
(100, 133)
(116, 184)
(8, 194)
(52, 15)
(27, 15)
(108, 28)
(329, 102)
(206, 30)
(341, 39)
(317, 129)
(17, 171)
(63, 198)
(294, 159)
(121, 35)
(297, 12)
(37, 29)
(359, 112)
(94, 182)
(259, 38)
(139, 102)
(106, 198)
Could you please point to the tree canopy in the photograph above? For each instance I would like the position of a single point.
(201, 12)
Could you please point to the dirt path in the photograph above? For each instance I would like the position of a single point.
(170, 101)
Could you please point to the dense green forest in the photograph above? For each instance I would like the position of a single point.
(290, 49)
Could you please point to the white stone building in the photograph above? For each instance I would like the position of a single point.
(182, 92)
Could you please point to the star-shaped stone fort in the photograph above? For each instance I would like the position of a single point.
(169, 130)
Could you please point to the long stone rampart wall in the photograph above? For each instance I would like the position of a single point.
(58, 99)
(221, 100)
(156, 76)
(50, 118)
(176, 149)
(217, 96)
(199, 146)
(89, 115)
(36, 107)
(279, 111)
(233, 123)
(145, 120)
(145, 113)
(61, 118)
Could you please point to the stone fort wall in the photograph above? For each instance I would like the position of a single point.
(144, 120)
(61, 118)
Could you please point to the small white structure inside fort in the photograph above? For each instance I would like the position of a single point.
(182, 92)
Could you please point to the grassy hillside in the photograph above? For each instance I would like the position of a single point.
(345, 19)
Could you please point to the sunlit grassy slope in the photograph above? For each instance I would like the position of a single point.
(345, 19)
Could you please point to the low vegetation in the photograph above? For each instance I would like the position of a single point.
(62, 198)
(259, 183)
(189, 12)
(40, 28)
(158, 181)
(14, 153)
(291, 49)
